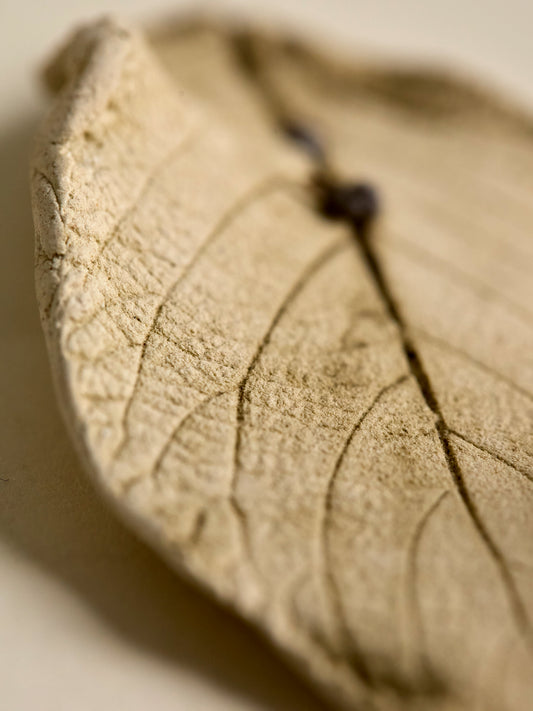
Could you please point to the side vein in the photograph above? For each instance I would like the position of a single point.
(412, 572)
(311, 270)
(498, 457)
(296, 289)
(258, 191)
(477, 363)
(347, 640)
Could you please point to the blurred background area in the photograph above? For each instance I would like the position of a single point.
(89, 617)
(491, 39)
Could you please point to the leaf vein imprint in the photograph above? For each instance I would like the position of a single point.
(312, 269)
(256, 192)
(346, 638)
(419, 373)
(494, 455)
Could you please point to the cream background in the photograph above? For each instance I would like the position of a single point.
(89, 618)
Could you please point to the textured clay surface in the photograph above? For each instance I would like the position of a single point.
(332, 436)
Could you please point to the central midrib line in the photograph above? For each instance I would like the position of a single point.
(422, 379)
(333, 200)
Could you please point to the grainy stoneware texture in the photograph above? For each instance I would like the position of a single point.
(332, 435)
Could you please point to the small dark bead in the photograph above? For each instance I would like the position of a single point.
(356, 202)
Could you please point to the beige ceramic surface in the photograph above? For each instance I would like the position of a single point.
(85, 609)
